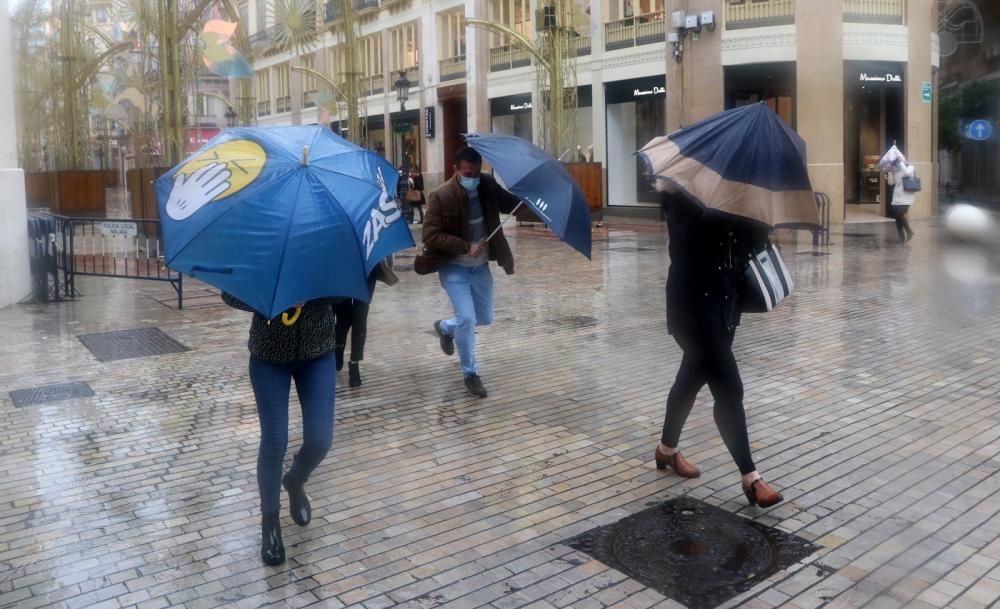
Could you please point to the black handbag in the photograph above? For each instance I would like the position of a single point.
(911, 183)
(766, 281)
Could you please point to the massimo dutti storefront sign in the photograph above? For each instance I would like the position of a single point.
(884, 78)
(624, 91)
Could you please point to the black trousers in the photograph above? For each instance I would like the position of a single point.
(352, 316)
(902, 222)
(708, 359)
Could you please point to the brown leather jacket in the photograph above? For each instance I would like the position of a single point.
(446, 224)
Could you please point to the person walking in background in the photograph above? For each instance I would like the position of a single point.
(297, 345)
(415, 195)
(900, 199)
(352, 317)
(461, 235)
(707, 256)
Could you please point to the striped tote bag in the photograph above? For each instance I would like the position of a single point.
(766, 281)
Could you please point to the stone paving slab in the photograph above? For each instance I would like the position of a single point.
(873, 399)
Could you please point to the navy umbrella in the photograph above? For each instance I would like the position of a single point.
(745, 162)
(542, 183)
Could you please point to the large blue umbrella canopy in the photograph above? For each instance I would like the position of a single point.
(745, 162)
(542, 183)
(278, 216)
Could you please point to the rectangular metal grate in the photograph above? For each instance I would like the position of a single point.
(127, 344)
(692, 552)
(50, 393)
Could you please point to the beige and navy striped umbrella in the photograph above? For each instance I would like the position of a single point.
(744, 162)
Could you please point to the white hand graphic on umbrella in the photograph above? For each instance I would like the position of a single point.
(191, 193)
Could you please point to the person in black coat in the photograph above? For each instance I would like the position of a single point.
(708, 254)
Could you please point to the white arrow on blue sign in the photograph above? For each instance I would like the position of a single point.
(979, 130)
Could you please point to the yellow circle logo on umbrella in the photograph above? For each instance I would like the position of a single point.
(214, 174)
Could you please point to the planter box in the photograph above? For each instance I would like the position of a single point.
(79, 193)
(141, 193)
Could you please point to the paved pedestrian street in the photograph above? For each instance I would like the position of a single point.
(873, 399)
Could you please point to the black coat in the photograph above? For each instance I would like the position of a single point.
(310, 337)
(708, 254)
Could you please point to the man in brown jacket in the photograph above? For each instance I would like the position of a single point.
(461, 214)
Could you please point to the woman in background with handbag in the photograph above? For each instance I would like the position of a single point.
(708, 256)
(415, 195)
(905, 184)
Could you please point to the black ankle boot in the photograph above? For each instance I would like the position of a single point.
(298, 501)
(354, 368)
(272, 551)
(338, 355)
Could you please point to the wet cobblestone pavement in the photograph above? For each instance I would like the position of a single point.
(873, 400)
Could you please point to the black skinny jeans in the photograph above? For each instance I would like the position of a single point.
(708, 358)
(352, 316)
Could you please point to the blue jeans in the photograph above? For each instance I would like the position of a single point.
(471, 293)
(315, 381)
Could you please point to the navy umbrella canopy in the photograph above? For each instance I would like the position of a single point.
(542, 183)
(745, 162)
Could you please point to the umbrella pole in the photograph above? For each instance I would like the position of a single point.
(512, 212)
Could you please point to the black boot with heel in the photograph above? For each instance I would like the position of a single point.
(298, 501)
(272, 551)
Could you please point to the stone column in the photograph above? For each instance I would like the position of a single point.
(820, 95)
(598, 120)
(15, 282)
(295, 89)
(433, 158)
(921, 16)
(477, 69)
(695, 85)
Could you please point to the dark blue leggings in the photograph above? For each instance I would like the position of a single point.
(315, 381)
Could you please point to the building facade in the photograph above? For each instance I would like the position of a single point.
(970, 90)
(852, 76)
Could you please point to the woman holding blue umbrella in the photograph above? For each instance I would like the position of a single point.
(285, 222)
(299, 345)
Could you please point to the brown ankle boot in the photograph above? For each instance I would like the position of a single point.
(677, 462)
(760, 494)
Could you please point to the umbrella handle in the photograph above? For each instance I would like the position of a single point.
(512, 212)
(290, 321)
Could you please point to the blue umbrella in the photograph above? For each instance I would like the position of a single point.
(745, 162)
(542, 183)
(278, 216)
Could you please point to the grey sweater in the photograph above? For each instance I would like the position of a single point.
(310, 337)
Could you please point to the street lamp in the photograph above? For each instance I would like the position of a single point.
(402, 90)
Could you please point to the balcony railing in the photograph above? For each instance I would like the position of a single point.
(331, 8)
(283, 104)
(581, 45)
(264, 108)
(508, 57)
(453, 68)
(373, 85)
(755, 13)
(874, 11)
(634, 31)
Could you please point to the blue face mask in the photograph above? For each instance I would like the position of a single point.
(469, 184)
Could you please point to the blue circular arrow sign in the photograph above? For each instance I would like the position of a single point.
(979, 130)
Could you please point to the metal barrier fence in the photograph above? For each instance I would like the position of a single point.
(100, 247)
(821, 233)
